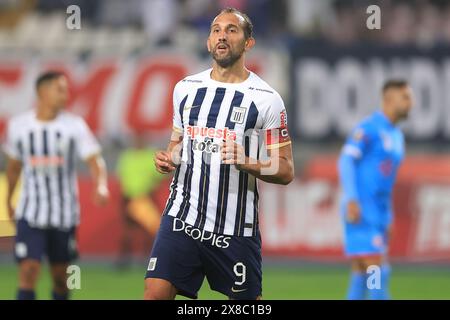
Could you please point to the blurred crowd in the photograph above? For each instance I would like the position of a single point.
(404, 22)
(420, 22)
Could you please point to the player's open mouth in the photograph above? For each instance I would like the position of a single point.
(222, 47)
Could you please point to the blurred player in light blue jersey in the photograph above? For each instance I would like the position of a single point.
(368, 165)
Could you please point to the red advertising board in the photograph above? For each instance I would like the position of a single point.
(117, 94)
(302, 219)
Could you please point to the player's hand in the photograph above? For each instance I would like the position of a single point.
(233, 153)
(101, 196)
(163, 162)
(353, 212)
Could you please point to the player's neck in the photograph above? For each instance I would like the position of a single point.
(235, 74)
(45, 114)
(390, 115)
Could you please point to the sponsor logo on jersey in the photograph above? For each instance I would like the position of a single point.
(203, 138)
(195, 132)
(46, 165)
(216, 240)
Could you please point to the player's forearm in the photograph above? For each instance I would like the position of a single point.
(173, 146)
(97, 167)
(174, 149)
(347, 175)
(274, 170)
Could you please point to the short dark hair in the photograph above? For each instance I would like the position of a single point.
(394, 84)
(46, 77)
(247, 25)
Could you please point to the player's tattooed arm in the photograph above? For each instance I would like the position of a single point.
(278, 169)
(167, 161)
(13, 170)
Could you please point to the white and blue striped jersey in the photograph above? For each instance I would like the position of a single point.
(48, 151)
(205, 193)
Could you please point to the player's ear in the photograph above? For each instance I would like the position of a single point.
(40, 90)
(250, 43)
(208, 45)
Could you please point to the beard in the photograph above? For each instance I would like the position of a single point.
(403, 114)
(226, 61)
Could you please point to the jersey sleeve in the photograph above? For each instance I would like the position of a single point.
(177, 125)
(354, 148)
(11, 145)
(358, 141)
(87, 144)
(347, 176)
(275, 128)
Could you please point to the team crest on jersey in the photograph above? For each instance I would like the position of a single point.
(238, 115)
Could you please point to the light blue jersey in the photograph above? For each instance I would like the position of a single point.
(368, 166)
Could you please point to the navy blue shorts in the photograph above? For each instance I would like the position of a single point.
(184, 255)
(34, 243)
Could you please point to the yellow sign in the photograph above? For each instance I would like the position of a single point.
(7, 227)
